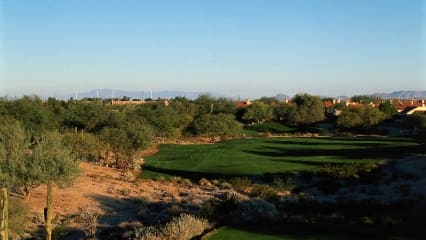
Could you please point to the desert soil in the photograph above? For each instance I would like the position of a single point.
(117, 201)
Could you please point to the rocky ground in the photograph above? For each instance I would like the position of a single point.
(115, 200)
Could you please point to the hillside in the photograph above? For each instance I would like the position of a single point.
(402, 94)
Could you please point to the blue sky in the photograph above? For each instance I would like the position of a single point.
(248, 48)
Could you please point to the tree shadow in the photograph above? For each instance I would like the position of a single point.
(391, 151)
(124, 214)
(193, 175)
(337, 142)
(307, 162)
(364, 141)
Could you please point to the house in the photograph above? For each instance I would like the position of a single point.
(243, 104)
(122, 103)
(408, 107)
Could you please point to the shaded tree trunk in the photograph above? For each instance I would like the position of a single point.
(48, 211)
(4, 214)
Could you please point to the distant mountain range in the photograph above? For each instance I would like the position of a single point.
(402, 94)
(115, 93)
(281, 96)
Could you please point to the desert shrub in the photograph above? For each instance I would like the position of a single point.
(204, 182)
(209, 209)
(240, 182)
(304, 197)
(254, 210)
(215, 182)
(161, 178)
(285, 184)
(263, 191)
(225, 185)
(269, 194)
(216, 208)
(186, 181)
(175, 179)
(124, 191)
(347, 171)
(89, 220)
(232, 196)
(183, 227)
(352, 173)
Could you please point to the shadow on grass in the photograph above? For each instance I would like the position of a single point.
(370, 152)
(310, 163)
(193, 175)
(338, 142)
(343, 141)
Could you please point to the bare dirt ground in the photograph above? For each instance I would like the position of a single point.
(117, 201)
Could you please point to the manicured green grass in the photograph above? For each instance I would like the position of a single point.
(227, 233)
(247, 157)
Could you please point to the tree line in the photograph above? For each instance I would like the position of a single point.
(41, 141)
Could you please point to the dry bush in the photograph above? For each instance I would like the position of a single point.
(175, 179)
(186, 181)
(241, 183)
(184, 227)
(226, 185)
(215, 182)
(204, 182)
(89, 219)
(127, 176)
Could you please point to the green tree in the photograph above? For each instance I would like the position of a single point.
(205, 104)
(52, 164)
(165, 121)
(281, 112)
(184, 106)
(360, 118)
(388, 110)
(126, 140)
(216, 124)
(84, 146)
(88, 116)
(307, 110)
(224, 105)
(269, 100)
(364, 98)
(13, 141)
(258, 112)
(33, 113)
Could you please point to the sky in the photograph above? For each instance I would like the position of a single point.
(249, 48)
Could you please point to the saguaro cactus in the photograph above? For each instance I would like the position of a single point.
(3, 214)
(48, 211)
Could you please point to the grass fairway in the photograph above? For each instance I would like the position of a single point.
(248, 157)
(228, 233)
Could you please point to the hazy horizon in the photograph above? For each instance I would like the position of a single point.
(245, 48)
